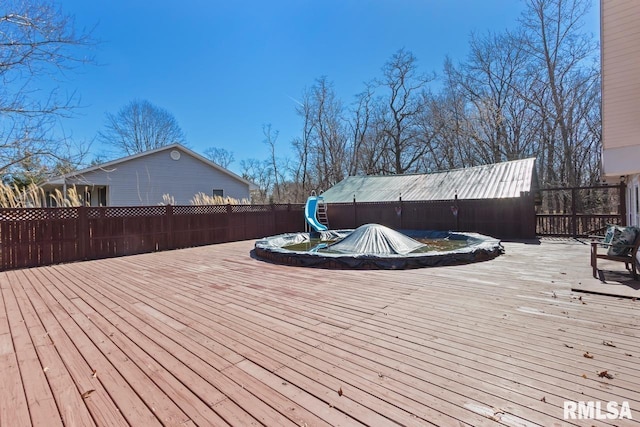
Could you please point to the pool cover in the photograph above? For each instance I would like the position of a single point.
(478, 248)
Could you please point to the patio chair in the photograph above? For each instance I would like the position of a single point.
(622, 246)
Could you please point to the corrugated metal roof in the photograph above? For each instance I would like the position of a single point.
(495, 181)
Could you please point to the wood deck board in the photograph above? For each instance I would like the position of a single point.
(211, 336)
(13, 400)
(187, 368)
(158, 367)
(262, 412)
(40, 400)
(108, 358)
(415, 330)
(219, 358)
(68, 369)
(115, 379)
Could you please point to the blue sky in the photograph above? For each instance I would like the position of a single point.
(226, 68)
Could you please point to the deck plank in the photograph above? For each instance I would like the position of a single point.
(13, 400)
(107, 395)
(39, 396)
(210, 336)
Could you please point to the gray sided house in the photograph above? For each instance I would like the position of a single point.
(144, 178)
(495, 181)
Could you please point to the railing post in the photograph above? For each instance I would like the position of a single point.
(574, 215)
(229, 221)
(169, 218)
(83, 233)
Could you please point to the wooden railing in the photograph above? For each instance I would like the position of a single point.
(569, 225)
(579, 211)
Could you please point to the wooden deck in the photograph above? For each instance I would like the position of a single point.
(211, 336)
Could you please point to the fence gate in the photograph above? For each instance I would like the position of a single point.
(579, 211)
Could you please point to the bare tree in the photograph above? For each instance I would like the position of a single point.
(141, 126)
(566, 90)
(323, 148)
(493, 81)
(405, 103)
(360, 128)
(260, 173)
(302, 148)
(330, 148)
(270, 138)
(219, 156)
(531, 92)
(38, 43)
(451, 147)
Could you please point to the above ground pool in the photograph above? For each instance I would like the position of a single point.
(374, 246)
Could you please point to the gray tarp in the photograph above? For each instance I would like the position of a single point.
(375, 239)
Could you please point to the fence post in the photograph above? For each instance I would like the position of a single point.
(273, 219)
(457, 211)
(401, 214)
(229, 226)
(355, 213)
(169, 216)
(83, 233)
(574, 215)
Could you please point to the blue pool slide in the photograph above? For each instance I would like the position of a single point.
(310, 210)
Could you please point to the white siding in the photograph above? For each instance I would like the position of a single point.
(144, 180)
(633, 201)
(620, 34)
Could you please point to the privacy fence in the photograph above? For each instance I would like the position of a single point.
(509, 218)
(44, 236)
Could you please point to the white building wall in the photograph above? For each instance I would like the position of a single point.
(144, 180)
(620, 48)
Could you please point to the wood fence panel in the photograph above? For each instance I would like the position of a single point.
(435, 215)
(124, 231)
(199, 225)
(288, 218)
(43, 236)
(512, 218)
(341, 215)
(36, 236)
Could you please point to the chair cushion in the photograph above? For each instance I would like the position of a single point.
(608, 237)
(621, 240)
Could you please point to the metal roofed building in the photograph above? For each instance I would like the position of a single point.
(495, 181)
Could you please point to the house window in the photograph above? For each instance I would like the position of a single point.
(102, 196)
(219, 193)
(51, 200)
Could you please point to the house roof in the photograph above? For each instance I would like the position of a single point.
(494, 181)
(59, 180)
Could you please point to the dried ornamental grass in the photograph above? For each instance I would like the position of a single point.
(33, 196)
